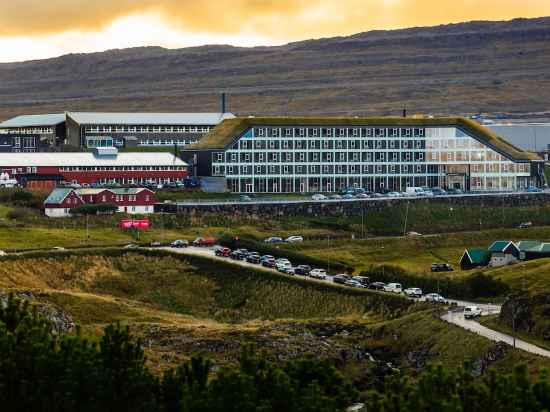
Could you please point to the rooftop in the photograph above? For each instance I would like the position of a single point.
(229, 130)
(160, 119)
(34, 120)
(89, 159)
(57, 196)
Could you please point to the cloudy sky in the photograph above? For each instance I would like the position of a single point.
(35, 29)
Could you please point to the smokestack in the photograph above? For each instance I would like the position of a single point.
(404, 112)
(222, 103)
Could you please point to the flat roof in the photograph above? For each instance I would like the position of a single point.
(199, 119)
(89, 159)
(34, 120)
(230, 130)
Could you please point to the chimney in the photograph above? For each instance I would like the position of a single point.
(222, 103)
(404, 112)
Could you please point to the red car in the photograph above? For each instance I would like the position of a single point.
(204, 241)
(223, 252)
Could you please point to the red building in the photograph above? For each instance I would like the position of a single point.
(130, 200)
(102, 167)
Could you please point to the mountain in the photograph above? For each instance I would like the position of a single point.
(458, 68)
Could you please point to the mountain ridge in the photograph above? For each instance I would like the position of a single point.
(445, 69)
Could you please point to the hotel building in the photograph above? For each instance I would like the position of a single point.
(288, 155)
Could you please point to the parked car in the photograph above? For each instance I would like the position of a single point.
(204, 242)
(394, 194)
(155, 243)
(348, 196)
(533, 189)
(282, 260)
(302, 270)
(283, 267)
(454, 191)
(354, 284)
(2, 253)
(471, 312)
(364, 280)
(393, 287)
(253, 258)
(341, 279)
(269, 263)
(318, 274)
(179, 243)
(245, 198)
(362, 196)
(128, 246)
(60, 248)
(267, 257)
(525, 225)
(413, 234)
(434, 297)
(335, 197)
(437, 191)
(274, 239)
(319, 196)
(239, 254)
(294, 239)
(222, 252)
(376, 195)
(377, 285)
(413, 292)
(441, 267)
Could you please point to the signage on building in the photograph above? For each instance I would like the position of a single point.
(139, 224)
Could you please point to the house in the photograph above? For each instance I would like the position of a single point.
(60, 202)
(503, 252)
(128, 200)
(533, 249)
(473, 258)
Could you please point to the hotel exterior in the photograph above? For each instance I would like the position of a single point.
(293, 155)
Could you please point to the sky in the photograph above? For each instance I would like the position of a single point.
(37, 29)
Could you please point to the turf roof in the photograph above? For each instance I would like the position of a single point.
(229, 130)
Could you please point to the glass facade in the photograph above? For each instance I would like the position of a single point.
(329, 159)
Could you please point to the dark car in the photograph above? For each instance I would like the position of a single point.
(269, 263)
(454, 191)
(441, 267)
(223, 252)
(437, 191)
(377, 285)
(302, 270)
(253, 258)
(179, 243)
(267, 257)
(238, 254)
(341, 279)
(274, 239)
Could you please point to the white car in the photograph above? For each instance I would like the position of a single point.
(319, 197)
(435, 297)
(318, 274)
(413, 292)
(471, 312)
(283, 267)
(393, 287)
(2, 253)
(294, 239)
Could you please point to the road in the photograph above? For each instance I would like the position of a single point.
(454, 316)
(457, 318)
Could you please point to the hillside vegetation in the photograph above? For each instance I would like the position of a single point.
(470, 67)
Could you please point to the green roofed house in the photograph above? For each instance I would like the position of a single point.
(503, 252)
(533, 249)
(474, 258)
(330, 154)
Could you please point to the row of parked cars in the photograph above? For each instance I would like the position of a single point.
(359, 193)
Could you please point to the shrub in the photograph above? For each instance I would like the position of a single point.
(94, 209)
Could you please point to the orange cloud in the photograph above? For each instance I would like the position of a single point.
(275, 19)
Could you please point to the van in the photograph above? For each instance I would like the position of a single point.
(471, 312)
(393, 287)
(414, 191)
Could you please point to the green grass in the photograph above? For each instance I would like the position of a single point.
(492, 322)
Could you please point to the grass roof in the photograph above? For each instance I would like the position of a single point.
(231, 129)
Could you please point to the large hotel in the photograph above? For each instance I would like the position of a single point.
(286, 155)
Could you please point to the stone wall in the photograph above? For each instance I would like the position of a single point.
(345, 208)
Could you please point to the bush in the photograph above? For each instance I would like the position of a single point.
(17, 214)
(475, 286)
(94, 209)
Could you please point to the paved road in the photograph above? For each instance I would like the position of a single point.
(457, 318)
(454, 316)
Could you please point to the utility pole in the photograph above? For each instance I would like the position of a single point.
(406, 218)
(363, 222)
(328, 253)
(514, 322)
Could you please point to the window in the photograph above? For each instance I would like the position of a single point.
(379, 169)
(247, 157)
(220, 157)
(392, 168)
(302, 157)
(420, 156)
(272, 169)
(325, 169)
(259, 169)
(418, 169)
(342, 132)
(285, 169)
(261, 132)
(233, 157)
(261, 157)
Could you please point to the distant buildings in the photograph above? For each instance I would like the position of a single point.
(61, 201)
(103, 166)
(288, 155)
(31, 133)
